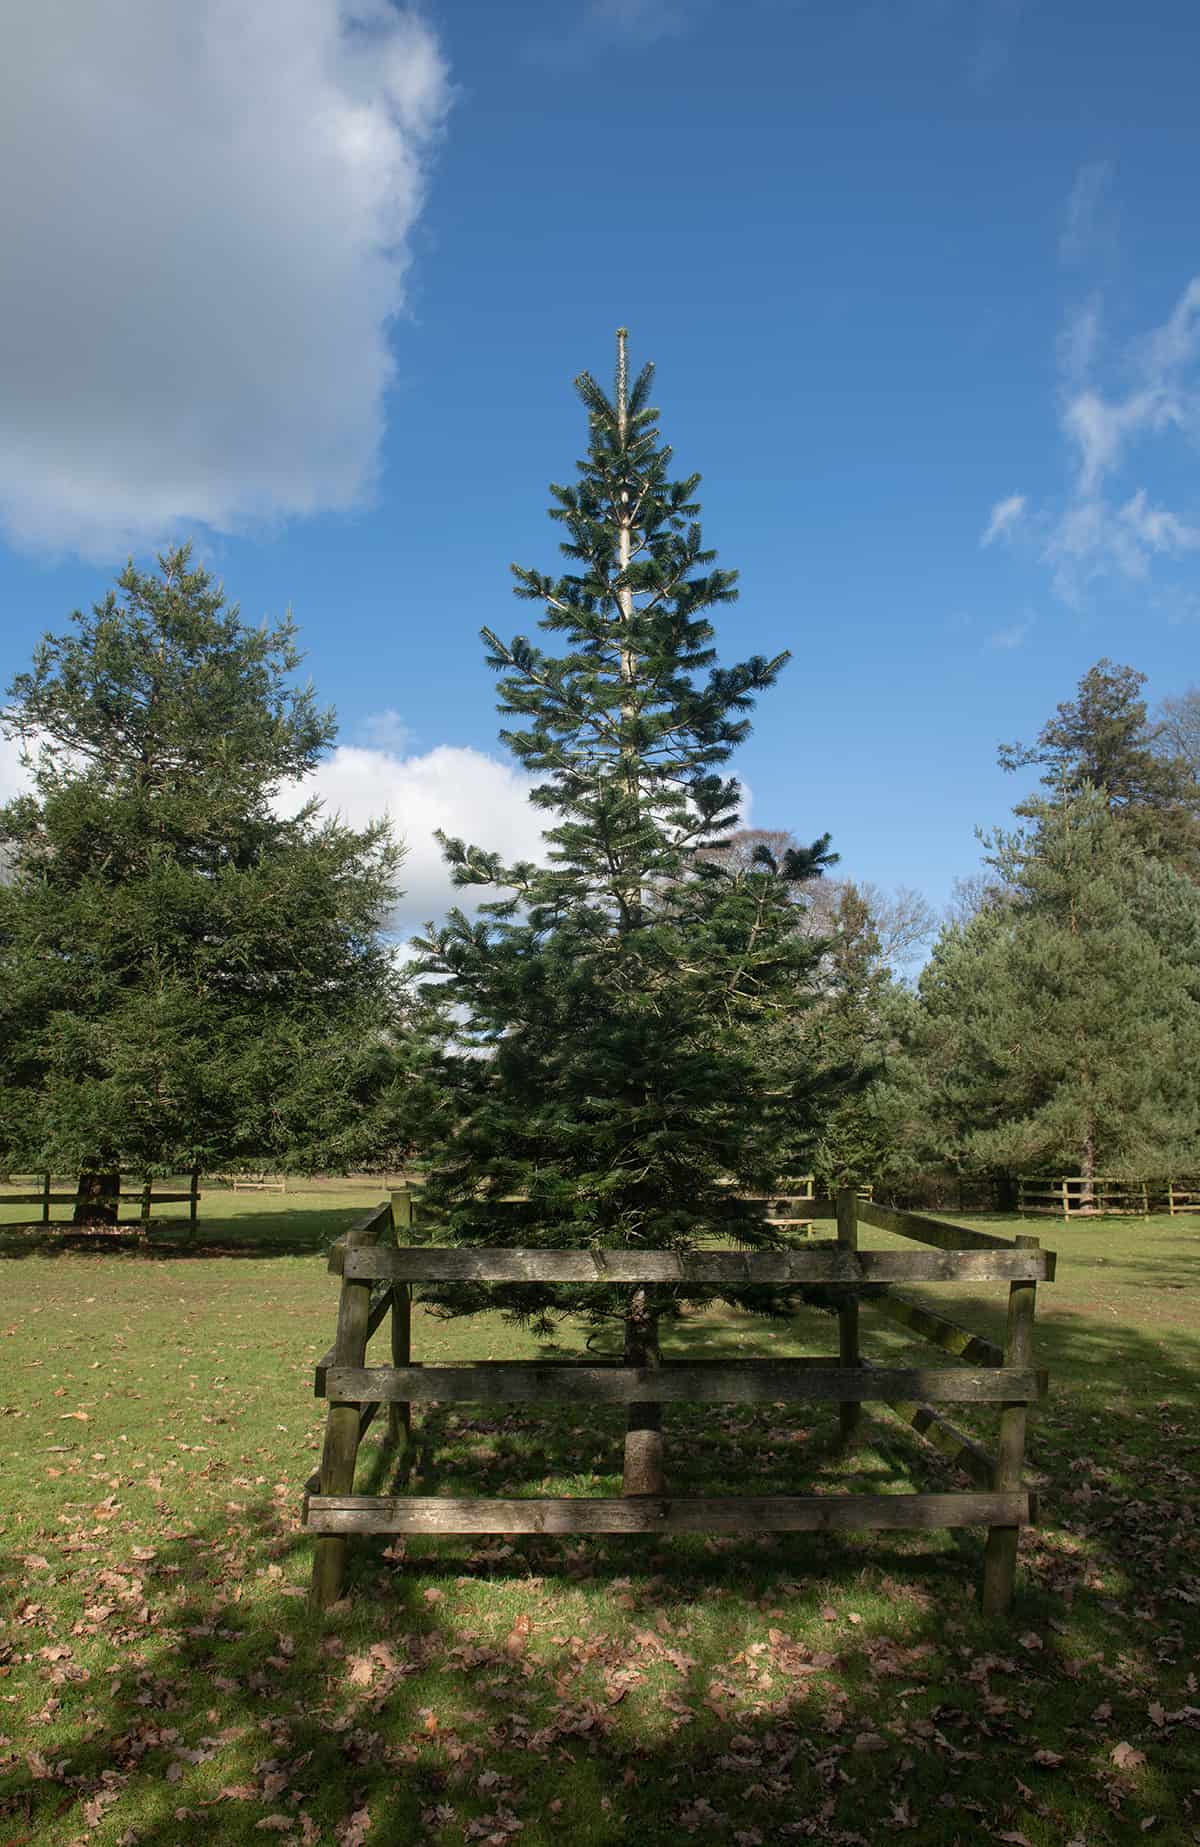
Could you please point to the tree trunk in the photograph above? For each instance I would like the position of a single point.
(97, 1196)
(1087, 1168)
(643, 1429)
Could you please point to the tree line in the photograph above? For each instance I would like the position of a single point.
(667, 1011)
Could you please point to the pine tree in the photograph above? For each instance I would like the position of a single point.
(186, 978)
(858, 1031)
(1104, 739)
(608, 1001)
(1059, 1027)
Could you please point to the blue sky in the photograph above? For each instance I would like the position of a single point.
(921, 279)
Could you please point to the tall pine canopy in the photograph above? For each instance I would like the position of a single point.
(1059, 1030)
(1104, 739)
(187, 978)
(609, 1003)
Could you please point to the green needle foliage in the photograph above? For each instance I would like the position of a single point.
(1059, 1029)
(609, 1001)
(186, 978)
(1103, 739)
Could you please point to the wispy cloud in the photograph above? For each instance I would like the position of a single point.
(1004, 516)
(386, 730)
(1105, 528)
(1089, 222)
(995, 23)
(1014, 637)
(601, 24)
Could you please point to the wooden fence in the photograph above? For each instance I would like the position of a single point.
(377, 1281)
(146, 1195)
(1101, 1196)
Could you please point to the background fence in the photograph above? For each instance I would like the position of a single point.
(1075, 1195)
(151, 1193)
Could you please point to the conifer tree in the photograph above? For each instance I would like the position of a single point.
(1104, 739)
(608, 1000)
(1059, 1029)
(187, 978)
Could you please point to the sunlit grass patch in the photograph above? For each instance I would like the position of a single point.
(162, 1679)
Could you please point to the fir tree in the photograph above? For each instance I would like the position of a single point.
(186, 978)
(1059, 1028)
(1104, 739)
(609, 1000)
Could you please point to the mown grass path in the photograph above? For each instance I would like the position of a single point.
(161, 1679)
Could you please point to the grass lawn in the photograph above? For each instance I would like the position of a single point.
(162, 1680)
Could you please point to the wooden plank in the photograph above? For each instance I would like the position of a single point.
(850, 1410)
(943, 1436)
(345, 1422)
(39, 1199)
(1000, 1556)
(381, 1302)
(400, 1410)
(366, 1417)
(815, 1513)
(362, 1233)
(442, 1263)
(943, 1233)
(679, 1381)
(942, 1332)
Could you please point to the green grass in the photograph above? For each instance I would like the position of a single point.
(161, 1679)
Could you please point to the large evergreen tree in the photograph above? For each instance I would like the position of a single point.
(1059, 1027)
(186, 978)
(1104, 739)
(608, 1000)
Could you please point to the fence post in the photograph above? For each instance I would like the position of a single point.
(399, 1412)
(849, 1415)
(342, 1429)
(147, 1201)
(193, 1201)
(46, 1200)
(1000, 1557)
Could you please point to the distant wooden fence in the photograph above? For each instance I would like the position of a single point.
(1077, 1196)
(146, 1195)
(377, 1279)
(258, 1183)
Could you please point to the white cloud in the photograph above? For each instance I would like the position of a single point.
(386, 730)
(601, 24)
(641, 19)
(1109, 528)
(1079, 342)
(205, 233)
(14, 779)
(1014, 637)
(461, 791)
(1004, 516)
(1087, 223)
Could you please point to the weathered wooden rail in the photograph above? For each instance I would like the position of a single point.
(1069, 1196)
(377, 1281)
(147, 1196)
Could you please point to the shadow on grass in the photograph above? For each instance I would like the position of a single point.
(267, 1234)
(792, 1687)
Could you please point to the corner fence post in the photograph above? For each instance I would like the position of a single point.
(400, 1411)
(342, 1428)
(849, 1415)
(1000, 1556)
